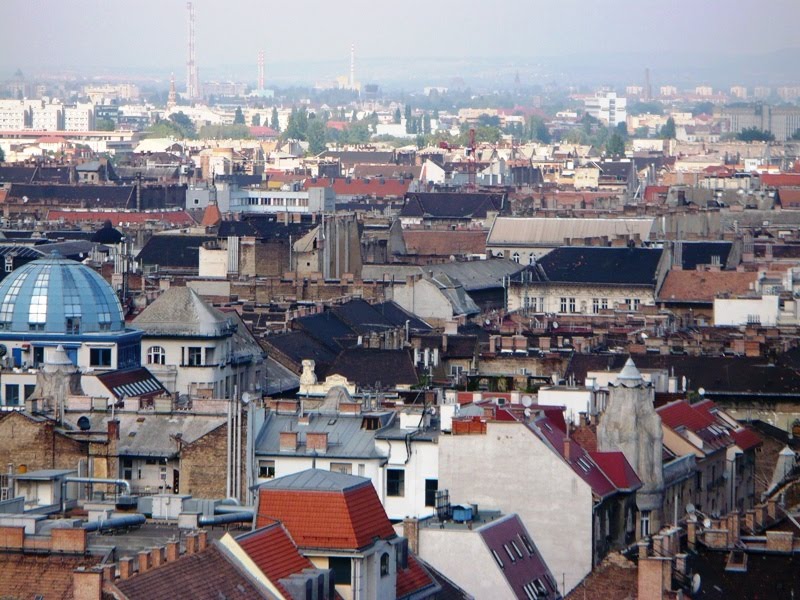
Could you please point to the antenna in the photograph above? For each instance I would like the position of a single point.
(260, 69)
(192, 83)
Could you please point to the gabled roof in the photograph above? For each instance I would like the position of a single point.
(48, 575)
(701, 253)
(207, 575)
(704, 286)
(274, 552)
(508, 538)
(327, 328)
(373, 367)
(599, 265)
(397, 315)
(180, 311)
(211, 216)
(552, 231)
(617, 469)
(325, 510)
(298, 346)
(267, 228)
(175, 250)
(458, 205)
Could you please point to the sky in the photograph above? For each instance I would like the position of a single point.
(49, 35)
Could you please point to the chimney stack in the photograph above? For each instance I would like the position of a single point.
(173, 550)
(126, 567)
(144, 561)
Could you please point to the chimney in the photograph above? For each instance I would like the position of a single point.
(157, 556)
(191, 543)
(734, 527)
(317, 440)
(288, 440)
(113, 429)
(567, 448)
(126, 567)
(202, 540)
(643, 548)
(651, 577)
(411, 533)
(109, 573)
(691, 534)
(173, 550)
(87, 584)
(144, 561)
(444, 343)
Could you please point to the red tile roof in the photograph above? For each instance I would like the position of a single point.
(206, 575)
(704, 286)
(211, 216)
(780, 179)
(682, 414)
(746, 438)
(432, 242)
(617, 469)
(117, 218)
(654, 194)
(336, 520)
(274, 552)
(412, 579)
(377, 188)
(789, 197)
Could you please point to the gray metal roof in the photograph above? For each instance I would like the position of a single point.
(346, 438)
(180, 311)
(45, 474)
(549, 231)
(316, 480)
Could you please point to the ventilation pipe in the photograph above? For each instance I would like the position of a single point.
(115, 523)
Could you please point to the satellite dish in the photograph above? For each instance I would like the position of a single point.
(644, 336)
(702, 391)
(246, 398)
(695, 583)
(527, 401)
(84, 424)
(690, 509)
(555, 324)
(707, 523)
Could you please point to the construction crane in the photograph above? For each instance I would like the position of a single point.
(471, 155)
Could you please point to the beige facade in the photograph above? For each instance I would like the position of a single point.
(566, 298)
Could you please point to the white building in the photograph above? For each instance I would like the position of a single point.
(79, 117)
(607, 107)
(266, 201)
(197, 350)
(12, 115)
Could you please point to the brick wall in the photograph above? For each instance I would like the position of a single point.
(37, 445)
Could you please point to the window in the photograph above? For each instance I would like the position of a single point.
(73, 325)
(266, 469)
(516, 548)
(361, 469)
(156, 355)
(603, 303)
(384, 564)
(100, 357)
(38, 355)
(527, 543)
(195, 356)
(510, 554)
(12, 394)
(497, 559)
(28, 390)
(572, 305)
(431, 487)
(644, 523)
(595, 305)
(515, 257)
(345, 468)
(564, 305)
(127, 469)
(340, 566)
(395, 482)
(209, 356)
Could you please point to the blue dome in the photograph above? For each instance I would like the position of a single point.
(59, 296)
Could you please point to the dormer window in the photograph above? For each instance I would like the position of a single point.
(384, 564)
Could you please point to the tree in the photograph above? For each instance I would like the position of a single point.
(238, 116)
(408, 118)
(795, 136)
(642, 132)
(537, 130)
(615, 145)
(668, 130)
(622, 130)
(2, 155)
(274, 122)
(426, 124)
(256, 120)
(184, 124)
(104, 125)
(397, 116)
(754, 134)
(315, 133)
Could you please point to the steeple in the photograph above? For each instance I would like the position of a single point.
(171, 99)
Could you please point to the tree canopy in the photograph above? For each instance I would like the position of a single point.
(754, 134)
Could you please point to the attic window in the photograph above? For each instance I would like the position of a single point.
(516, 548)
(527, 543)
(547, 426)
(584, 465)
(508, 551)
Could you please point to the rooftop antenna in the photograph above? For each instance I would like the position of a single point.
(192, 83)
(260, 69)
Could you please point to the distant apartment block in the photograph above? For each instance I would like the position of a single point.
(739, 91)
(607, 107)
(781, 121)
(668, 90)
(704, 90)
(761, 91)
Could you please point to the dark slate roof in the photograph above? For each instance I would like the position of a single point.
(397, 315)
(69, 234)
(617, 169)
(700, 253)
(173, 250)
(240, 179)
(326, 328)
(107, 234)
(53, 174)
(12, 174)
(451, 204)
(263, 228)
(93, 195)
(298, 346)
(718, 375)
(374, 368)
(599, 265)
(362, 317)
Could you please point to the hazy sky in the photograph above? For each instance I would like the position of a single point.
(45, 34)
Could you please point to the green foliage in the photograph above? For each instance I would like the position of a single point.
(2, 155)
(177, 126)
(537, 130)
(754, 134)
(315, 134)
(398, 117)
(489, 121)
(668, 130)
(297, 125)
(642, 132)
(409, 123)
(238, 116)
(703, 108)
(256, 120)
(104, 125)
(645, 108)
(615, 144)
(795, 136)
(225, 132)
(274, 122)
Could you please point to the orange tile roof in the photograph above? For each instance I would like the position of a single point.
(704, 286)
(444, 243)
(343, 520)
(274, 553)
(211, 216)
(412, 579)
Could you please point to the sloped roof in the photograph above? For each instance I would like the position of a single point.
(704, 286)
(274, 553)
(327, 328)
(298, 346)
(552, 231)
(267, 228)
(387, 171)
(170, 217)
(136, 381)
(325, 510)
(432, 242)
(459, 205)
(207, 575)
(397, 315)
(98, 196)
(413, 579)
(211, 216)
(180, 311)
(51, 576)
(600, 265)
(179, 251)
(373, 367)
(617, 469)
(694, 254)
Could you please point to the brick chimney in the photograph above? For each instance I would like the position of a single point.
(202, 540)
(126, 567)
(288, 440)
(652, 574)
(144, 561)
(191, 543)
(113, 429)
(157, 556)
(87, 585)
(567, 449)
(411, 533)
(317, 441)
(173, 550)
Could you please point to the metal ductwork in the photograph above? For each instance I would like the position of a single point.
(115, 523)
(116, 482)
(236, 517)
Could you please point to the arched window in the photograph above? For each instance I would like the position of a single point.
(515, 257)
(156, 355)
(384, 564)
